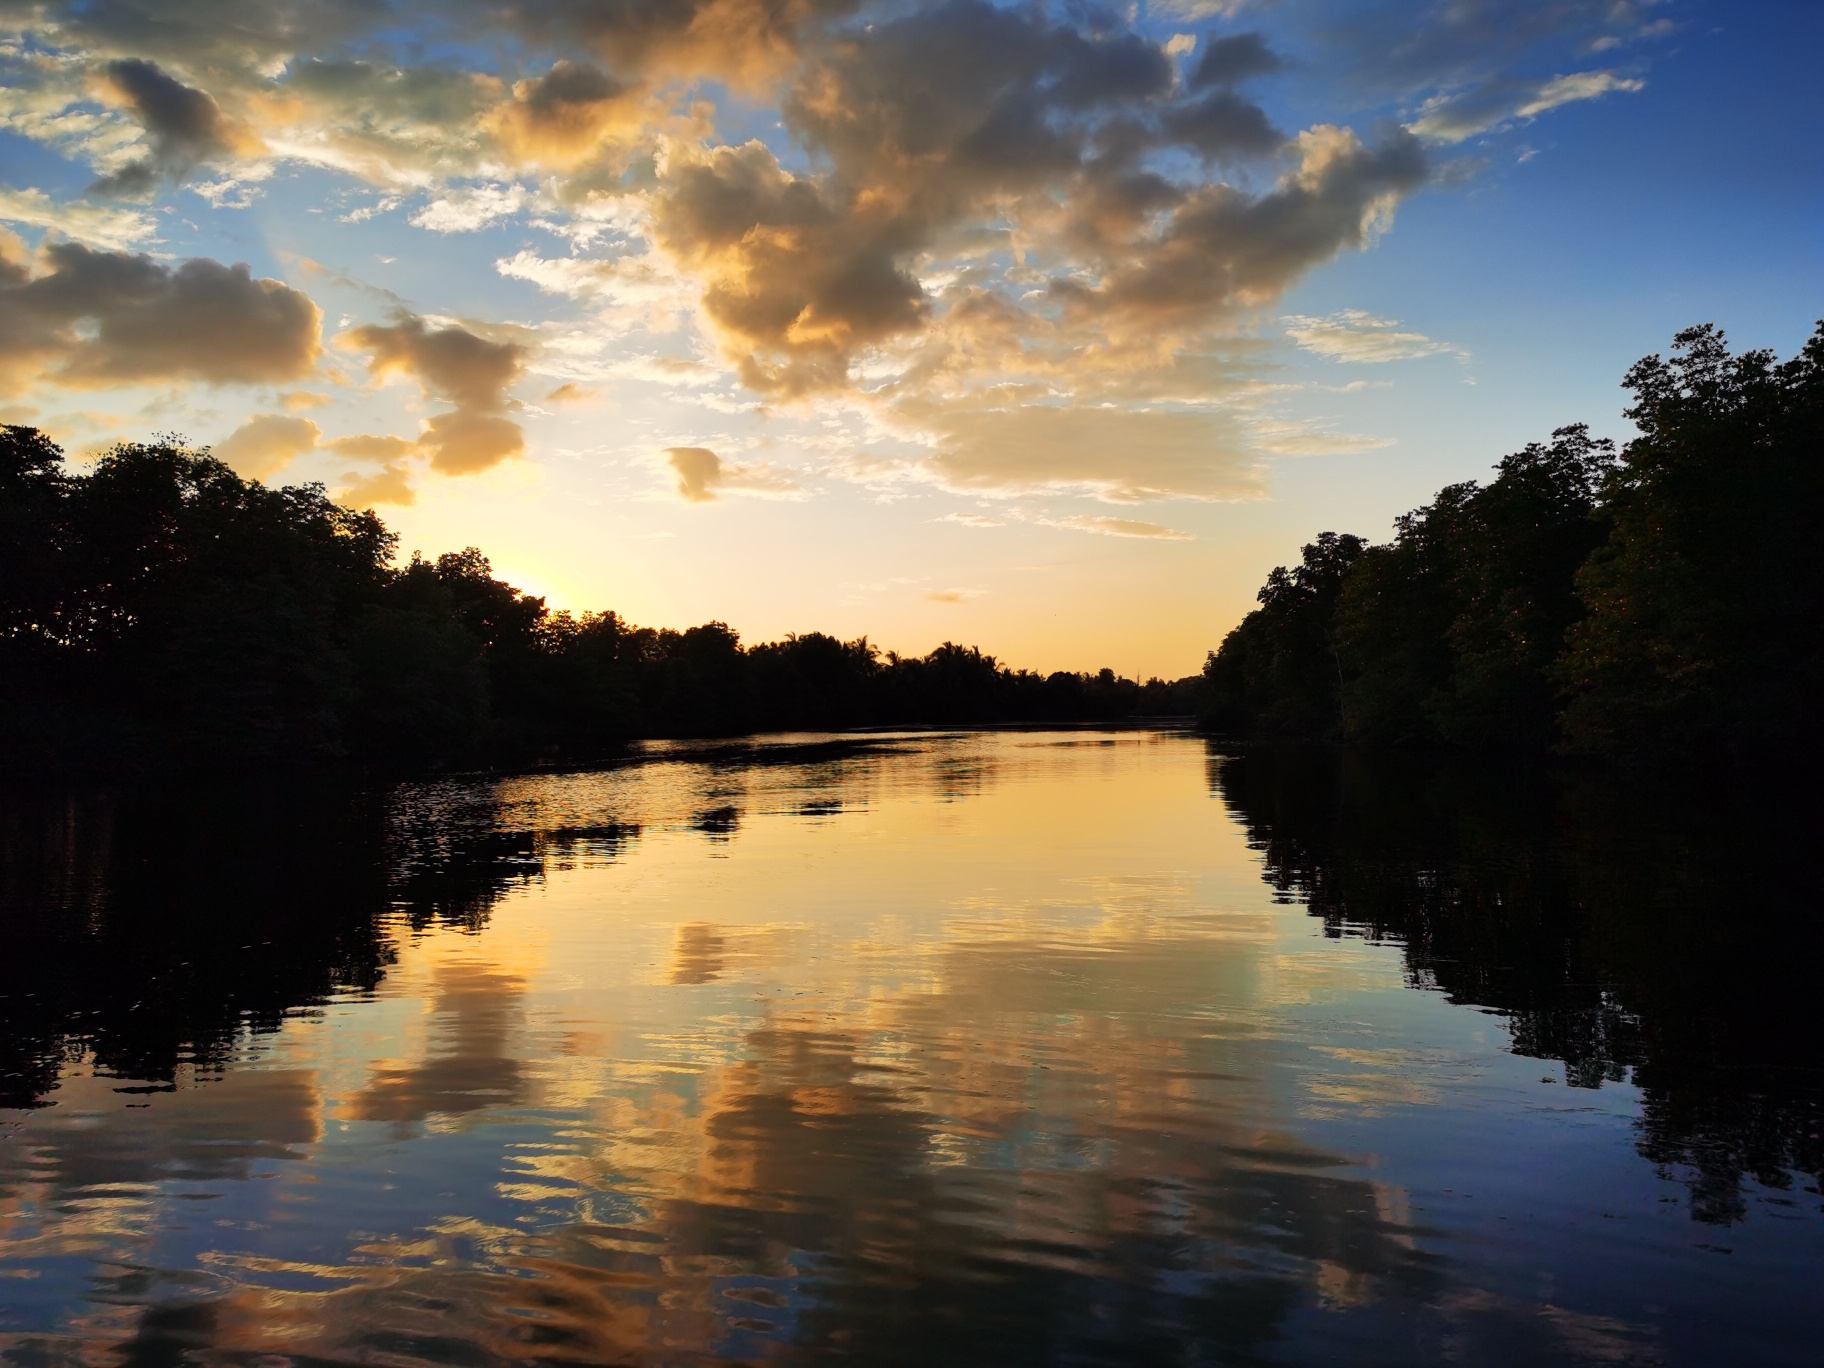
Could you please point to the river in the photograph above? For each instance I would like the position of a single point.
(991, 1048)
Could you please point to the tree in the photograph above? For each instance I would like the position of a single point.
(1280, 672)
(1449, 633)
(1705, 626)
(34, 569)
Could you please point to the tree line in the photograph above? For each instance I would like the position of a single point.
(1666, 597)
(159, 607)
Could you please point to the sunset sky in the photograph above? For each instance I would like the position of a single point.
(1045, 327)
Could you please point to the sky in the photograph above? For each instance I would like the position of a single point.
(1049, 328)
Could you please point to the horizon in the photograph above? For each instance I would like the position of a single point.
(1054, 346)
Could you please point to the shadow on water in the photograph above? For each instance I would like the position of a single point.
(1670, 935)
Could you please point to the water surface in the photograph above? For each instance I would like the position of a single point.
(947, 1049)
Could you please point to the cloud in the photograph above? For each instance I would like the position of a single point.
(293, 400)
(223, 34)
(1451, 118)
(986, 239)
(699, 471)
(1223, 124)
(366, 448)
(1378, 50)
(638, 290)
(1582, 85)
(1119, 527)
(1220, 251)
(392, 485)
(184, 127)
(88, 319)
(566, 117)
(1120, 454)
(746, 43)
(972, 520)
(397, 127)
(471, 209)
(931, 125)
(952, 595)
(104, 226)
(572, 393)
(1312, 439)
(465, 442)
(454, 365)
(1354, 336)
(793, 283)
(701, 474)
(1234, 59)
(266, 443)
(1195, 10)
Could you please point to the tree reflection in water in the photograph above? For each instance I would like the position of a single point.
(1627, 928)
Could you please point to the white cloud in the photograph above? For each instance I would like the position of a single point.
(1461, 114)
(639, 290)
(1350, 335)
(99, 225)
(472, 208)
(1582, 85)
(384, 205)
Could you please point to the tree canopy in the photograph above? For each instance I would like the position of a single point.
(1658, 598)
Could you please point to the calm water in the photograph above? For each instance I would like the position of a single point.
(963, 1049)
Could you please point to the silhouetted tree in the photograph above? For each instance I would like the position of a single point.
(1279, 672)
(1662, 603)
(1706, 605)
(1449, 632)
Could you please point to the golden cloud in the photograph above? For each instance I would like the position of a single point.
(565, 117)
(1119, 527)
(266, 443)
(745, 43)
(794, 284)
(701, 473)
(470, 373)
(365, 448)
(391, 485)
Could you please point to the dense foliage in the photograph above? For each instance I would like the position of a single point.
(160, 607)
(1660, 598)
